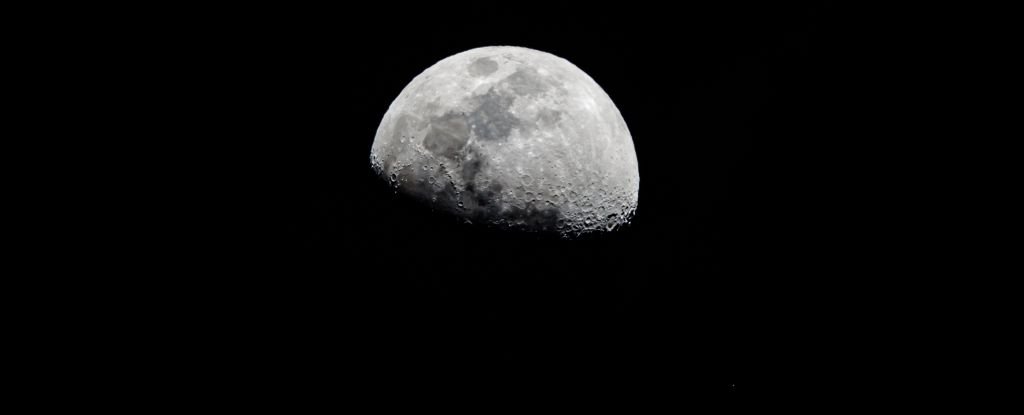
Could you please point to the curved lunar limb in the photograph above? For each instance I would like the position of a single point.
(514, 138)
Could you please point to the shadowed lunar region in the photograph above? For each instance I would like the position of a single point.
(512, 138)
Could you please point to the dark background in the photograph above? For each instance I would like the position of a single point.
(711, 295)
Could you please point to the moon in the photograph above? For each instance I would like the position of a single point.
(513, 138)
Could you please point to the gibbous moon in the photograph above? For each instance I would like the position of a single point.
(513, 138)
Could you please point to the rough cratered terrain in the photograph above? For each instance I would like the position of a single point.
(514, 138)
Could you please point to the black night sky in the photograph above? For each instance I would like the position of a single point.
(703, 299)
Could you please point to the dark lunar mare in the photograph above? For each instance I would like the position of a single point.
(482, 201)
(483, 67)
(526, 81)
(492, 120)
(448, 137)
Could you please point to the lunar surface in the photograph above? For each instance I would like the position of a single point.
(513, 138)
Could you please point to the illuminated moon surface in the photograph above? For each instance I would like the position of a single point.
(513, 138)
